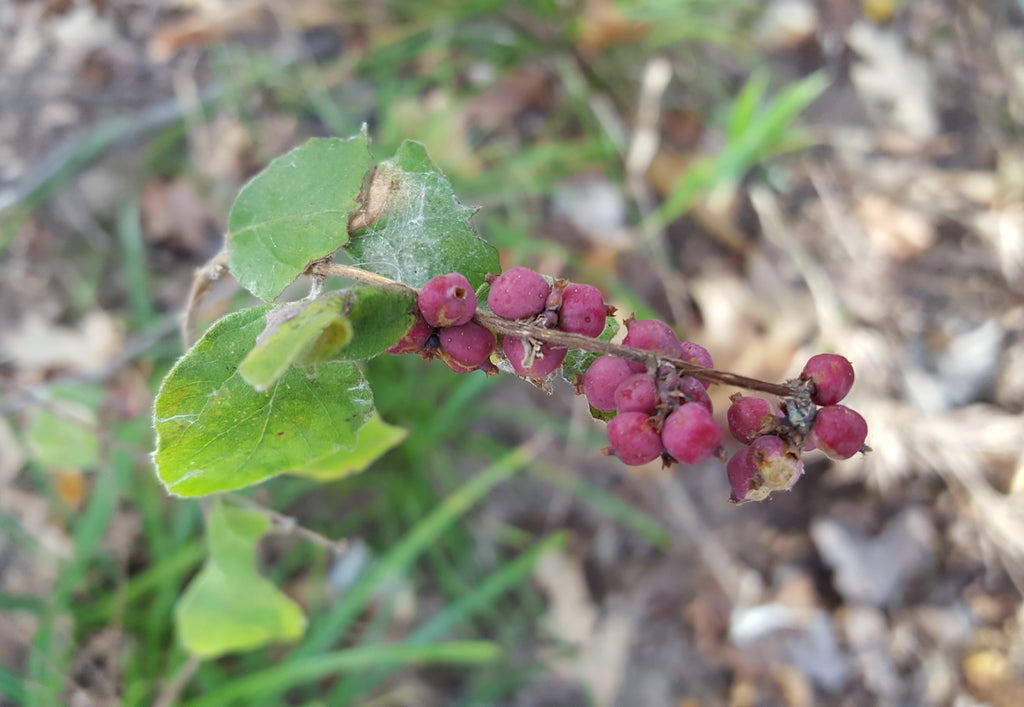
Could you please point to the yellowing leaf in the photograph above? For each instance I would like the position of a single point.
(229, 607)
(375, 438)
(215, 433)
(294, 331)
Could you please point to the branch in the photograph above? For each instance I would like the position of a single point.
(287, 525)
(525, 330)
(202, 281)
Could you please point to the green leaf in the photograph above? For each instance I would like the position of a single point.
(379, 320)
(413, 226)
(229, 607)
(215, 433)
(375, 438)
(295, 211)
(577, 362)
(296, 333)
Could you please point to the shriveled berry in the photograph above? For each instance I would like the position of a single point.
(634, 439)
(549, 359)
(415, 341)
(601, 379)
(637, 393)
(697, 354)
(651, 335)
(518, 293)
(470, 344)
(768, 464)
(690, 434)
(832, 375)
(447, 300)
(583, 310)
(778, 463)
(748, 417)
(838, 431)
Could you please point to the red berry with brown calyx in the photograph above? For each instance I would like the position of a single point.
(518, 293)
(469, 345)
(749, 417)
(634, 439)
(690, 434)
(583, 310)
(838, 431)
(602, 379)
(447, 300)
(651, 335)
(831, 375)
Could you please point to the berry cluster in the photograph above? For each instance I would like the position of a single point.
(659, 411)
(770, 461)
(521, 294)
(444, 328)
(656, 404)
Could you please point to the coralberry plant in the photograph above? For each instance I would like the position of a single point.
(282, 378)
(396, 269)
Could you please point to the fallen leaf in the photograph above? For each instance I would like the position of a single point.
(875, 571)
(895, 85)
(39, 345)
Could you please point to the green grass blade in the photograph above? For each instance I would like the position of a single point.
(607, 503)
(508, 577)
(136, 271)
(168, 571)
(765, 132)
(44, 665)
(12, 687)
(744, 108)
(19, 602)
(327, 630)
(284, 676)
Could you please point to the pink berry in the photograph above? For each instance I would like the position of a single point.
(547, 362)
(690, 434)
(748, 417)
(695, 391)
(447, 300)
(470, 345)
(601, 380)
(743, 478)
(832, 375)
(634, 439)
(583, 310)
(838, 431)
(415, 341)
(651, 335)
(697, 354)
(518, 293)
(637, 393)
